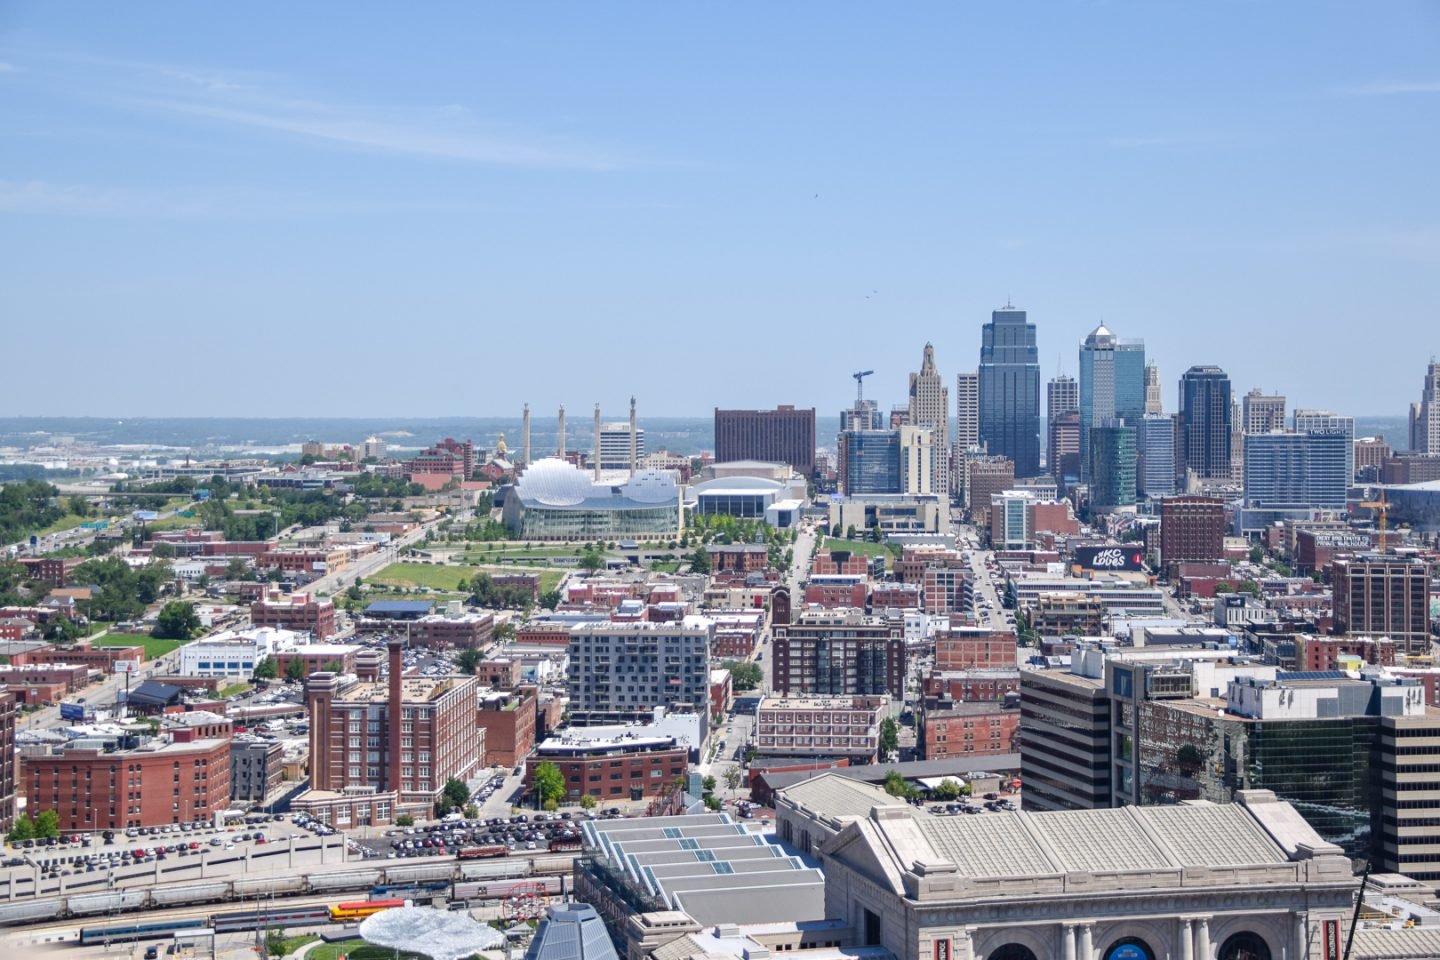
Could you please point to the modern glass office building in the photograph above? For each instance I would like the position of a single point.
(1112, 459)
(1205, 414)
(1112, 385)
(871, 461)
(1299, 471)
(1010, 390)
(1155, 468)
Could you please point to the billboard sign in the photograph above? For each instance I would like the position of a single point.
(72, 711)
(125, 666)
(1129, 557)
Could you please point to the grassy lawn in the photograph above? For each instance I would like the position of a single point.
(172, 523)
(68, 522)
(863, 547)
(290, 944)
(154, 646)
(422, 575)
(231, 690)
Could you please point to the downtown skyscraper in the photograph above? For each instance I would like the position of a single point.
(967, 411)
(1010, 390)
(1425, 415)
(1204, 429)
(1112, 388)
(930, 408)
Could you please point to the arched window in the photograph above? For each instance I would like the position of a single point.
(1245, 946)
(1012, 951)
(1130, 948)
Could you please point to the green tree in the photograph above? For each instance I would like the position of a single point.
(947, 789)
(550, 599)
(47, 824)
(163, 550)
(733, 777)
(405, 820)
(744, 674)
(1224, 588)
(177, 621)
(587, 802)
(889, 738)
(295, 669)
(1257, 554)
(896, 785)
(275, 944)
(454, 795)
(471, 811)
(708, 784)
(699, 560)
(591, 561)
(504, 632)
(237, 569)
(1250, 587)
(467, 661)
(549, 784)
(266, 670)
(24, 829)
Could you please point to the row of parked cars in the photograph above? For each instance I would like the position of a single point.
(523, 832)
(994, 805)
(67, 864)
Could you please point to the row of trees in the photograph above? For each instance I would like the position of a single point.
(31, 505)
(46, 823)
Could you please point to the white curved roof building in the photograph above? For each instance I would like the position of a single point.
(555, 500)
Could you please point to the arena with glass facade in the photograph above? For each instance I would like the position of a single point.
(555, 500)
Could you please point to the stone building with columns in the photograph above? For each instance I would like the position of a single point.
(1194, 881)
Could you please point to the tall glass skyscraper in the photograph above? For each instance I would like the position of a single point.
(871, 461)
(1155, 469)
(1205, 412)
(1112, 454)
(1010, 390)
(1112, 386)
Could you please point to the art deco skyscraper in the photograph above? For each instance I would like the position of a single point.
(1154, 405)
(1425, 415)
(930, 407)
(1010, 390)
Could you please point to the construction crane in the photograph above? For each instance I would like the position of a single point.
(860, 387)
(1382, 508)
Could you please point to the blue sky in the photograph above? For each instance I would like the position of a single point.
(383, 209)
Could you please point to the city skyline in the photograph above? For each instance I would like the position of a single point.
(184, 202)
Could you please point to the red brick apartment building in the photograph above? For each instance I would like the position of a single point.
(836, 592)
(119, 784)
(543, 634)
(1324, 653)
(738, 557)
(1191, 528)
(299, 611)
(53, 570)
(408, 735)
(969, 730)
(840, 562)
(441, 632)
(7, 761)
(508, 718)
(970, 648)
(633, 768)
(839, 653)
(894, 596)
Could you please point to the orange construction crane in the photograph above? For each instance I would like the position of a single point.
(1382, 508)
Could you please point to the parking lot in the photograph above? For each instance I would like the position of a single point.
(140, 855)
(496, 836)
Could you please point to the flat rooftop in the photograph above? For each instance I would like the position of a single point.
(412, 690)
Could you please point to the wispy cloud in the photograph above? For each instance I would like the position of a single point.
(1391, 88)
(266, 102)
(8, 67)
(87, 200)
(448, 133)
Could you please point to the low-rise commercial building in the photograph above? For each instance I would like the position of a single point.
(123, 781)
(299, 612)
(949, 729)
(256, 768)
(846, 727)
